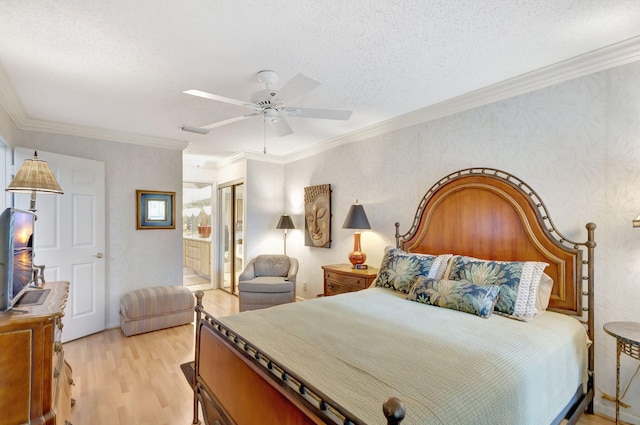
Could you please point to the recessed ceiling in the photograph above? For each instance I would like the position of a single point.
(118, 68)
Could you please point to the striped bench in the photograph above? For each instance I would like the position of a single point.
(158, 307)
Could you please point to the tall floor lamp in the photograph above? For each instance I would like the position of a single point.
(35, 176)
(285, 223)
(356, 219)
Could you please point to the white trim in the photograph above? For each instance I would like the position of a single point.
(11, 103)
(98, 133)
(595, 61)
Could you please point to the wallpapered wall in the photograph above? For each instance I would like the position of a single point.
(134, 259)
(577, 144)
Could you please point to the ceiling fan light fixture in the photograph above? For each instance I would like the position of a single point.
(271, 104)
(268, 77)
(271, 113)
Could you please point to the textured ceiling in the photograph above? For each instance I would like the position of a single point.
(117, 68)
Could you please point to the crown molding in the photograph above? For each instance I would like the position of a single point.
(589, 63)
(9, 100)
(98, 133)
(11, 103)
(254, 156)
(595, 61)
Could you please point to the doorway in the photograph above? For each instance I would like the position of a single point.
(231, 205)
(196, 235)
(70, 237)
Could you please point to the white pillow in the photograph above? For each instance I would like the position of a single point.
(544, 293)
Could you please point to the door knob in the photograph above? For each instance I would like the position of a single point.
(99, 255)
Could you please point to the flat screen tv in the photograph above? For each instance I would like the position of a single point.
(16, 255)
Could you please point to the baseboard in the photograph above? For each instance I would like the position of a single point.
(112, 325)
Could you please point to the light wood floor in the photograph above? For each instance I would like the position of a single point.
(137, 380)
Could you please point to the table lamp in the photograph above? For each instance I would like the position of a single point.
(356, 219)
(285, 223)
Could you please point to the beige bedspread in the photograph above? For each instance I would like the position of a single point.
(446, 366)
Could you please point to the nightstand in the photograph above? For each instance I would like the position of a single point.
(341, 278)
(627, 335)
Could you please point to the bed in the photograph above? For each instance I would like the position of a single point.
(377, 357)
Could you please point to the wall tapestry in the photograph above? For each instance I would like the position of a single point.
(317, 209)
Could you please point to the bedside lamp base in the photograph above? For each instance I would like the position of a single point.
(357, 256)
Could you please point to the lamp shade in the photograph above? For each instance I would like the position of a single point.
(34, 176)
(285, 222)
(356, 218)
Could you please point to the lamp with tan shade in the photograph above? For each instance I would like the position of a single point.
(34, 176)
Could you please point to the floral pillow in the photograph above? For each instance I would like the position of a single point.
(399, 270)
(458, 295)
(518, 282)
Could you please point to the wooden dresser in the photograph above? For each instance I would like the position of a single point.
(35, 381)
(341, 278)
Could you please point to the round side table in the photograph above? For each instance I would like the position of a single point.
(627, 335)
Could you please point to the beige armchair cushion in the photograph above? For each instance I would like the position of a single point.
(267, 280)
(272, 265)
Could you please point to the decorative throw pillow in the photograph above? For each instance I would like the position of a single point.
(399, 270)
(518, 282)
(458, 295)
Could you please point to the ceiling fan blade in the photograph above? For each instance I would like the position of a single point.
(229, 121)
(196, 130)
(297, 87)
(281, 126)
(206, 95)
(326, 114)
(206, 128)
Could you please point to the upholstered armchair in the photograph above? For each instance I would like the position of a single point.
(267, 280)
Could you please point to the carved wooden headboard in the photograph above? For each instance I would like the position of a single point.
(490, 214)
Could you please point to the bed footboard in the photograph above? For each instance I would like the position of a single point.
(234, 383)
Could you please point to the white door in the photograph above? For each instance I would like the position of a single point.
(70, 237)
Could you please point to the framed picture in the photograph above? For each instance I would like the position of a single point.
(317, 209)
(155, 210)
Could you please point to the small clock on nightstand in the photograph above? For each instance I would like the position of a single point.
(341, 278)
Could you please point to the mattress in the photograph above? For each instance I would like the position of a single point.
(447, 367)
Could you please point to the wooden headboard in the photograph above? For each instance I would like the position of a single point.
(490, 214)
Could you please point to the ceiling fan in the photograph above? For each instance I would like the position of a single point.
(272, 104)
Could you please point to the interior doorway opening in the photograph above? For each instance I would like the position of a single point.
(197, 235)
(231, 213)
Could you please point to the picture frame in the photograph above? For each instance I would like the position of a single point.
(155, 210)
(317, 207)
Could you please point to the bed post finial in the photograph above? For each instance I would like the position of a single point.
(397, 234)
(393, 410)
(591, 227)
